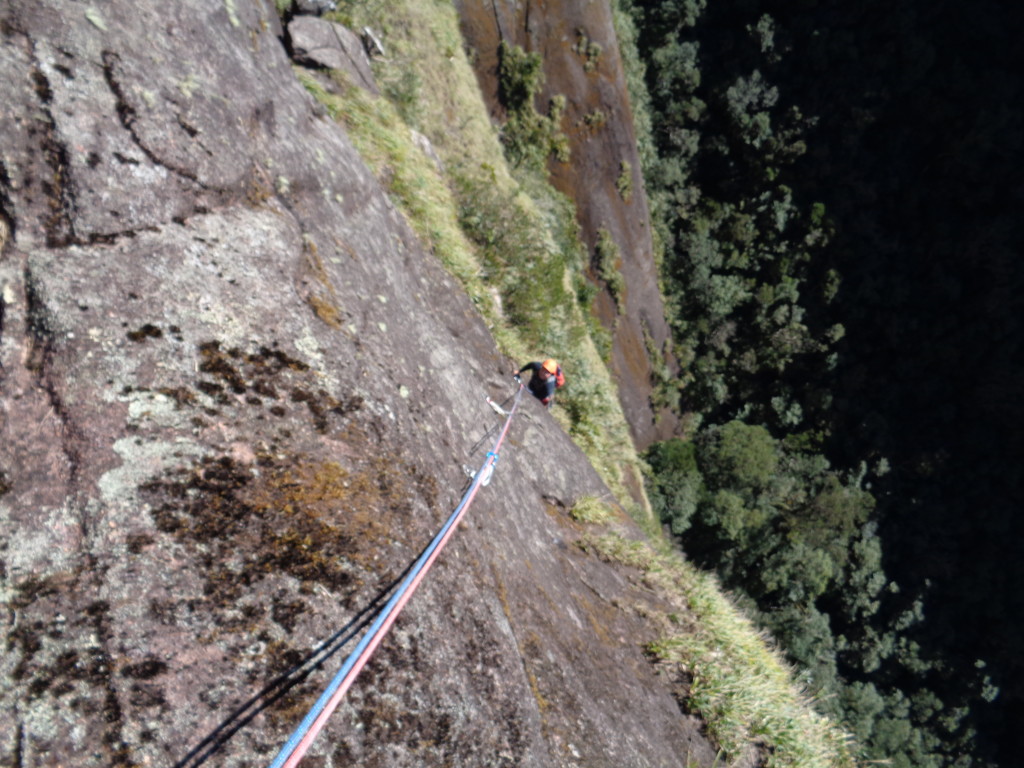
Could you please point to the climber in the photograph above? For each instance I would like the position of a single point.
(546, 378)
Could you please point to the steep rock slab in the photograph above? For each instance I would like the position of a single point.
(237, 397)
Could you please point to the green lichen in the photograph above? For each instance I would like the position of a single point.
(587, 49)
(96, 19)
(189, 85)
(229, 6)
(595, 120)
(624, 183)
(609, 267)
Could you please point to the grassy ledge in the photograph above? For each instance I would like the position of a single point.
(739, 685)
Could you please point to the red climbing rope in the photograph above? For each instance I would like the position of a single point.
(299, 742)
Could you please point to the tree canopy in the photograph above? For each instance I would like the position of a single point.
(836, 186)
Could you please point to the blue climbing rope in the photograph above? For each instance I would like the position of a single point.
(299, 742)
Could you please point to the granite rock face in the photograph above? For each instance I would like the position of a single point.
(326, 44)
(237, 398)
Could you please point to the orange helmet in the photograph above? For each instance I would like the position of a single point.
(550, 365)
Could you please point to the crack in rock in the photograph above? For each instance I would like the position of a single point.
(59, 223)
(127, 115)
(39, 363)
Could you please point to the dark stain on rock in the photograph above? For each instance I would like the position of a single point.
(287, 613)
(33, 589)
(306, 519)
(147, 331)
(146, 669)
(42, 87)
(180, 395)
(212, 390)
(124, 159)
(138, 542)
(264, 388)
(90, 665)
(145, 696)
(125, 112)
(320, 404)
(56, 184)
(26, 639)
(7, 218)
(275, 360)
(220, 365)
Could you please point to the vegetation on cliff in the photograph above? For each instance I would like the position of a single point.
(502, 230)
(512, 241)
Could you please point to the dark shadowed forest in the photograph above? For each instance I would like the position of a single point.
(839, 196)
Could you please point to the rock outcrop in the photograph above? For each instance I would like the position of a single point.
(327, 44)
(236, 398)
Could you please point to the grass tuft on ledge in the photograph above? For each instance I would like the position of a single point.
(739, 684)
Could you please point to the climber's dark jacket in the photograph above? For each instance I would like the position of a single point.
(542, 389)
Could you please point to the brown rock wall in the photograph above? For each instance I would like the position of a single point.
(236, 398)
(599, 124)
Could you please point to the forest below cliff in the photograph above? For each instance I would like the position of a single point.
(838, 195)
